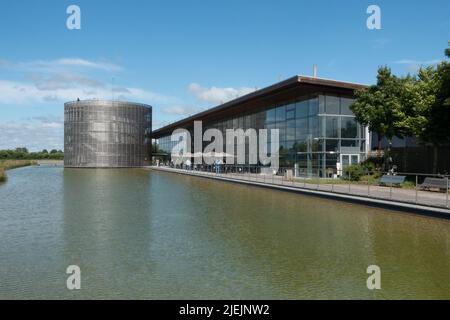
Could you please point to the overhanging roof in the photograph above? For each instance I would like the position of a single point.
(296, 82)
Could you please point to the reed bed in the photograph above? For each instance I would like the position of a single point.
(2, 175)
(13, 164)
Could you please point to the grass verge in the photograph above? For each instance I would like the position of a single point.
(2, 175)
(13, 164)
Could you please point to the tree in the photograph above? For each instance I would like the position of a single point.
(447, 51)
(426, 107)
(439, 124)
(22, 153)
(379, 106)
(22, 150)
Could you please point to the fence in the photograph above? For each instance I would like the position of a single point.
(415, 188)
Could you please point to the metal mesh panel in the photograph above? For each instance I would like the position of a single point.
(106, 134)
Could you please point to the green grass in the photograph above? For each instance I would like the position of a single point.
(373, 180)
(13, 164)
(408, 185)
(320, 181)
(370, 179)
(2, 175)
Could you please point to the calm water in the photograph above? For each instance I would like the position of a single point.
(140, 234)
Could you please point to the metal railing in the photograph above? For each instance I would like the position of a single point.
(412, 189)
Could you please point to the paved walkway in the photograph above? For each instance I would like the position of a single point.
(391, 196)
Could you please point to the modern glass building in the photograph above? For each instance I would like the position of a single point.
(106, 134)
(318, 132)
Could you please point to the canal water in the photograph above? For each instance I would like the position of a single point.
(153, 235)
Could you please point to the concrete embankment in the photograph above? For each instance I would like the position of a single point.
(422, 209)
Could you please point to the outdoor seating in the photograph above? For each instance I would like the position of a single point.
(435, 183)
(390, 180)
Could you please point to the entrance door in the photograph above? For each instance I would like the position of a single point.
(346, 160)
(349, 159)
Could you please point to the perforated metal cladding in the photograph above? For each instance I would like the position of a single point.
(106, 134)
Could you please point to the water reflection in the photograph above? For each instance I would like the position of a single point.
(107, 228)
(150, 235)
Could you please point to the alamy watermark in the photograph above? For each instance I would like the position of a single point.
(374, 280)
(235, 141)
(374, 20)
(73, 22)
(74, 280)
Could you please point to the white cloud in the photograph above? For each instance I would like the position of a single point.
(380, 43)
(180, 110)
(67, 79)
(53, 125)
(417, 62)
(13, 92)
(217, 95)
(44, 135)
(36, 83)
(175, 110)
(77, 62)
(60, 64)
(412, 66)
(63, 81)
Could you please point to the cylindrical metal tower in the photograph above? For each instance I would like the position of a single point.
(106, 134)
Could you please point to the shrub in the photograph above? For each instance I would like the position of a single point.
(373, 164)
(353, 172)
(2, 175)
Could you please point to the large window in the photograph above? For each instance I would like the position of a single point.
(301, 128)
(332, 104)
(332, 145)
(271, 115)
(312, 131)
(290, 112)
(349, 128)
(290, 130)
(281, 114)
(345, 106)
(313, 106)
(301, 109)
(332, 127)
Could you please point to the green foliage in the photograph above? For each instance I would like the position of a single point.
(12, 164)
(373, 165)
(426, 107)
(379, 106)
(23, 154)
(368, 170)
(353, 172)
(408, 106)
(421, 110)
(2, 175)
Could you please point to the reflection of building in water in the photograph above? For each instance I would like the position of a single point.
(99, 133)
(316, 126)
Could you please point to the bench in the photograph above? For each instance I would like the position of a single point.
(392, 180)
(435, 183)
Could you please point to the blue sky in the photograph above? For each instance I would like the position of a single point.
(185, 56)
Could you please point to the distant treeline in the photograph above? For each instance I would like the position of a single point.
(22, 153)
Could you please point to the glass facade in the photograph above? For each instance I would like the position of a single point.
(106, 134)
(316, 133)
